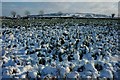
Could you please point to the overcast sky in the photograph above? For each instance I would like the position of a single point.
(60, 0)
(88, 6)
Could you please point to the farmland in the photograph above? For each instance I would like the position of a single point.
(60, 48)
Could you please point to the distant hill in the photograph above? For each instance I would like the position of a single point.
(82, 15)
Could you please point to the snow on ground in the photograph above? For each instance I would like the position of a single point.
(60, 51)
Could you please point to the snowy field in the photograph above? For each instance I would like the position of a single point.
(57, 49)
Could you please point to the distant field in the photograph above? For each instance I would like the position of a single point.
(54, 21)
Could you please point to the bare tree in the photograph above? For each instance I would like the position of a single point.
(27, 12)
(112, 15)
(41, 12)
(60, 13)
(13, 13)
(18, 16)
(118, 14)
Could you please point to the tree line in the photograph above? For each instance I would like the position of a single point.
(14, 14)
(41, 13)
